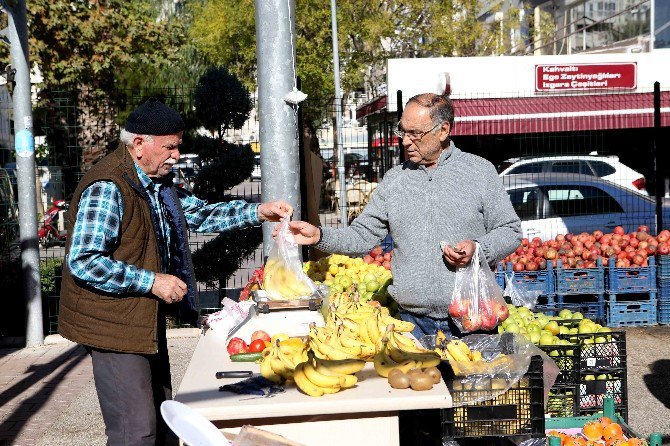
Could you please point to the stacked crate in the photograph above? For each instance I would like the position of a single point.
(638, 284)
(582, 289)
(602, 371)
(563, 400)
(663, 283)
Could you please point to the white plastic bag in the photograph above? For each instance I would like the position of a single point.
(477, 302)
(518, 296)
(283, 277)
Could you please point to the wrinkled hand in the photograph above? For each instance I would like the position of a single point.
(169, 288)
(274, 211)
(461, 254)
(303, 232)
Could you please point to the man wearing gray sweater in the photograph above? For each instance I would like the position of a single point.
(439, 194)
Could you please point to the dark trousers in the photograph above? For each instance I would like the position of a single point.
(130, 389)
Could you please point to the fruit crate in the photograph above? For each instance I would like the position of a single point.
(591, 306)
(608, 410)
(563, 401)
(663, 266)
(663, 290)
(635, 313)
(631, 280)
(663, 312)
(519, 411)
(567, 358)
(500, 275)
(600, 351)
(580, 280)
(592, 393)
(541, 280)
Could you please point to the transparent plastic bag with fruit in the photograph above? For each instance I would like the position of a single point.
(487, 366)
(283, 276)
(477, 302)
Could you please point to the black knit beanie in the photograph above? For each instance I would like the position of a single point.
(154, 118)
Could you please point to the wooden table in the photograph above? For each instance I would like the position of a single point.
(366, 414)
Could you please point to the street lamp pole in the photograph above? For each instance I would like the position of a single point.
(341, 167)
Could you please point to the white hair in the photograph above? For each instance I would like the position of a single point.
(127, 138)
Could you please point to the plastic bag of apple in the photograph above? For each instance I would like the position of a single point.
(583, 250)
(477, 302)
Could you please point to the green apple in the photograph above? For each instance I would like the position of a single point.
(542, 320)
(577, 315)
(574, 330)
(533, 327)
(602, 376)
(512, 328)
(534, 337)
(501, 329)
(553, 353)
(546, 332)
(546, 339)
(589, 378)
(563, 330)
(565, 314)
(552, 326)
(586, 329)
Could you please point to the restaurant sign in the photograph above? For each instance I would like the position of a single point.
(571, 77)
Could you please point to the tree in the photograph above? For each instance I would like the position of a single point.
(221, 101)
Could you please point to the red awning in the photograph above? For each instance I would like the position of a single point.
(494, 116)
(378, 103)
(384, 142)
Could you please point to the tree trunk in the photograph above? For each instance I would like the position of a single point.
(96, 125)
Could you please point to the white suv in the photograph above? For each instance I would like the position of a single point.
(608, 168)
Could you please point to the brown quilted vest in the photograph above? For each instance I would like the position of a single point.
(124, 323)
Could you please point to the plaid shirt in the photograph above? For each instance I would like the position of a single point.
(97, 232)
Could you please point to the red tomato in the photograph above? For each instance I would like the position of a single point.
(257, 346)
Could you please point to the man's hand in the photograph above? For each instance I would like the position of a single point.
(274, 211)
(461, 254)
(169, 288)
(303, 232)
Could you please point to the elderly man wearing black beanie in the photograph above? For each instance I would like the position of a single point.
(129, 264)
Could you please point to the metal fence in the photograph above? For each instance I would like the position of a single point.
(570, 163)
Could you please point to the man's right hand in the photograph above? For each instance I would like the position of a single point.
(303, 232)
(169, 288)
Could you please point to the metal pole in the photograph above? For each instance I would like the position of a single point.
(341, 165)
(24, 143)
(399, 108)
(658, 179)
(278, 121)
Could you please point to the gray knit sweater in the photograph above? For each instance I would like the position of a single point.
(462, 198)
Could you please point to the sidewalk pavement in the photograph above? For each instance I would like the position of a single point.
(38, 384)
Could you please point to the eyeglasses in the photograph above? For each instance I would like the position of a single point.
(413, 136)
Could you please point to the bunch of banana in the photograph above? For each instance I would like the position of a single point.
(281, 358)
(396, 351)
(335, 344)
(316, 377)
(283, 284)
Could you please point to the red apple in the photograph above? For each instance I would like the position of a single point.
(458, 308)
(501, 312)
(260, 334)
(387, 265)
(619, 230)
(663, 248)
(368, 259)
(376, 251)
(663, 236)
(643, 228)
(472, 322)
(237, 345)
(387, 256)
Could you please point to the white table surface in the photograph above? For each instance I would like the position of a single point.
(199, 388)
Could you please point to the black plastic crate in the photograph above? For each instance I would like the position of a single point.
(563, 401)
(600, 350)
(519, 411)
(608, 384)
(592, 306)
(567, 358)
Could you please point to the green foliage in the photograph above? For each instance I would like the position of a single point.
(88, 43)
(221, 101)
(232, 167)
(219, 258)
(51, 271)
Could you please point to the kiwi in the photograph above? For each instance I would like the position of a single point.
(394, 372)
(434, 373)
(421, 381)
(399, 380)
(414, 372)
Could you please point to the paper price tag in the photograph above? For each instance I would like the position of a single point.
(591, 362)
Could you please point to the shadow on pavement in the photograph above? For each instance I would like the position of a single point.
(657, 381)
(20, 416)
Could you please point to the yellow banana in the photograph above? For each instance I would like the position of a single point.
(462, 346)
(373, 329)
(440, 338)
(267, 372)
(348, 341)
(456, 352)
(368, 351)
(341, 367)
(319, 379)
(305, 384)
(350, 324)
(364, 335)
(326, 351)
(476, 356)
(384, 364)
(347, 381)
(406, 343)
(399, 325)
